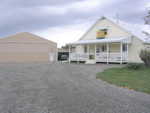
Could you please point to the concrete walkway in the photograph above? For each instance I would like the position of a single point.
(64, 88)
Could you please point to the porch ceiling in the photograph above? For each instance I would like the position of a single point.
(107, 40)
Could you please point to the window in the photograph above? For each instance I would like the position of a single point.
(101, 48)
(101, 34)
(98, 50)
(124, 47)
(148, 47)
(85, 49)
(104, 48)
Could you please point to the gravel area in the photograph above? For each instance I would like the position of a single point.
(64, 88)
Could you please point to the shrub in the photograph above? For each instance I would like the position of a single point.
(145, 57)
(134, 66)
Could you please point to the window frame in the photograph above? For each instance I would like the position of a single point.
(124, 47)
(85, 49)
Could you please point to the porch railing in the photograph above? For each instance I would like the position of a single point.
(100, 57)
(79, 56)
(112, 57)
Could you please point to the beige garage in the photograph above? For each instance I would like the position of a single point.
(27, 47)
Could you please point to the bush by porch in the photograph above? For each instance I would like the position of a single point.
(145, 57)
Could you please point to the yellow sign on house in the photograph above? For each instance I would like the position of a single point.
(101, 33)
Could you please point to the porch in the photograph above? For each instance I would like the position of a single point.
(114, 51)
(113, 57)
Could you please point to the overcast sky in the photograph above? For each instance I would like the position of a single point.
(65, 21)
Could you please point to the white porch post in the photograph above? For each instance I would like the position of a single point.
(95, 51)
(88, 49)
(69, 54)
(127, 52)
(107, 53)
(121, 53)
(78, 56)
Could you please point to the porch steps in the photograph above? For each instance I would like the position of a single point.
(90, 62)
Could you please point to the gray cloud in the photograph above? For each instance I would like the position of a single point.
(20, 15)
(132, 11)
(34, 3)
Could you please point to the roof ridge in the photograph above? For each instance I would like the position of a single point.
(131, 31)
(27, 33)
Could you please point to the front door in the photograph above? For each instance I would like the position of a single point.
(51, 57)
(91, 52)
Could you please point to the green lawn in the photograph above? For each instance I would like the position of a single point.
(138, 80)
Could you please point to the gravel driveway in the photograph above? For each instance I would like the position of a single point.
(64, 88)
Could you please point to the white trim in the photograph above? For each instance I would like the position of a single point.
(106, 40)
(127, 52)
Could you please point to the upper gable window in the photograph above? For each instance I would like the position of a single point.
(101, 34)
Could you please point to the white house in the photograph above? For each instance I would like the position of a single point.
(111, 42)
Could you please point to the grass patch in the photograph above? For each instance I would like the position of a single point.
(138, 80)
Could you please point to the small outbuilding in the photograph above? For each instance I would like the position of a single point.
(27, 47)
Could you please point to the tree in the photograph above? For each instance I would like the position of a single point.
(147, 18)
(145, 57)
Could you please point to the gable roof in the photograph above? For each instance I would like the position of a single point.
(133, 29)
(24, 37)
